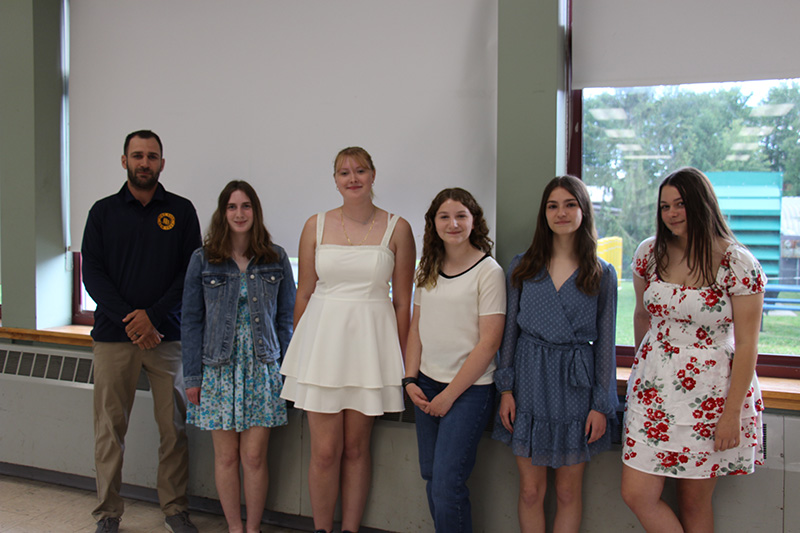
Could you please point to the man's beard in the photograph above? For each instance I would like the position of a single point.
(143, 181)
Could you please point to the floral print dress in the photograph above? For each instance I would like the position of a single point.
(681, 373)
(244, 393)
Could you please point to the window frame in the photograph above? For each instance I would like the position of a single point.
(79, 316)
(768, 364)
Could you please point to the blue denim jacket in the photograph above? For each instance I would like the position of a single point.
(210, 299)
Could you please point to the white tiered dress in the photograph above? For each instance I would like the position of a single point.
(345, 351)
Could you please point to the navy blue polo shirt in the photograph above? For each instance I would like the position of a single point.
(135, 257)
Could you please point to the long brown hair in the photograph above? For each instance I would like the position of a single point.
(217, 243)
(538, 255)
(704, 223)
(432, 245)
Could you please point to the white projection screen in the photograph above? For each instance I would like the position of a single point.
(626, 43)
(270, 90)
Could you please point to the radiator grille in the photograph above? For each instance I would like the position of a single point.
(58, 365)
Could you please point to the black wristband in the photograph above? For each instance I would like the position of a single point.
(406, 381)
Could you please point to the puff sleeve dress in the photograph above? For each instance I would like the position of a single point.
(682, 370)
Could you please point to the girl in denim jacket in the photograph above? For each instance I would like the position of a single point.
(238, 302)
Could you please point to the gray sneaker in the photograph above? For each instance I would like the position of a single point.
(180, 523)
(107, 525)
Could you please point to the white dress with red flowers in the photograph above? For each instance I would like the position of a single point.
(681, 374)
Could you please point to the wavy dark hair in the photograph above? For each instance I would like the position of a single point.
(534, 262)
(704, 223)
(217, 242)
(432, 245)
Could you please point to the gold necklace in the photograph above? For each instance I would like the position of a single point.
(341, 217)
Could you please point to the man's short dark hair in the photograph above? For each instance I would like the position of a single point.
(142, 134)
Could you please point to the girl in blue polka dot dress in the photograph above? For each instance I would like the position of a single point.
(556, 365)
(238, 301)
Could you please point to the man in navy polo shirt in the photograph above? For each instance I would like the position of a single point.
(136, 247)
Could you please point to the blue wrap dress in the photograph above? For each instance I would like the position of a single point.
(558, 358)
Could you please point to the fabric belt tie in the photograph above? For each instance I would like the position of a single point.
(577, 365)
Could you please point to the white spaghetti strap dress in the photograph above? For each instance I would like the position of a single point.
(345, 352)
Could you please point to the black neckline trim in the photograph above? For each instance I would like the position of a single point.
(445, 276)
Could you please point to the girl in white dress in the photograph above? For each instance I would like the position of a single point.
(345, 362)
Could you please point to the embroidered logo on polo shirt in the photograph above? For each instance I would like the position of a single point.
(166, 221)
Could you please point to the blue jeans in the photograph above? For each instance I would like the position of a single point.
(447, 449)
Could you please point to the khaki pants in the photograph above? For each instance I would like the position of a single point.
(117, 366)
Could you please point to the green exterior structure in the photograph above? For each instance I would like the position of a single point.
(751, 201)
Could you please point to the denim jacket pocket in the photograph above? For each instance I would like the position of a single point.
(214, 281)
(215, 293)
(268, 282)
(271, 282)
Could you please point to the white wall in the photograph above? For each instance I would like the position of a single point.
(270, 91)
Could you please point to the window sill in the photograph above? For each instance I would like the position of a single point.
(70, 335)
(778, 393)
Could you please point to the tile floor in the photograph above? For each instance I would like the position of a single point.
(34, 507)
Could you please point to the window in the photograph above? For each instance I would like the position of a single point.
(82, 304)
(744, 136)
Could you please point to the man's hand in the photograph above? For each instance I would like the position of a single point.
(149, 340)
(141, 331)
(138, 324)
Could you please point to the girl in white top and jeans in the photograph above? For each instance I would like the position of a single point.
(456, 329)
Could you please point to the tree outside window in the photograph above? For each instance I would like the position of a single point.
(633, 137)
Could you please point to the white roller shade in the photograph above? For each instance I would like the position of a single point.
(626, 43)
(269, 91)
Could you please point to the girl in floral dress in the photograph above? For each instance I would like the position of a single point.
(238, 302)
(694, 406)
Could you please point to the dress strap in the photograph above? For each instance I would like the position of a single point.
(389, 229)
(320, 227)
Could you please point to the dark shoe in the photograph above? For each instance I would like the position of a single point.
(180, 523)
(107, 525)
